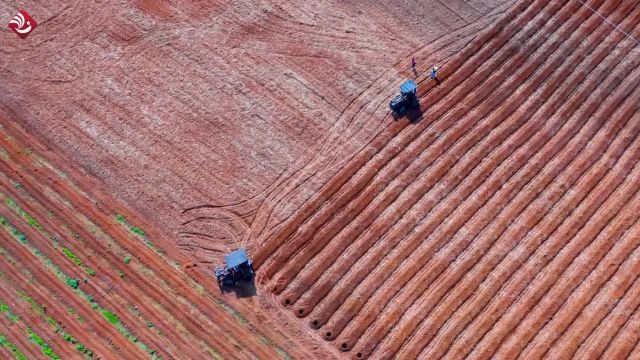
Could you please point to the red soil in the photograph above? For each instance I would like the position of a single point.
(502, 222)
(168, 311)
(499, 224)
(174, 105)
(188, 112)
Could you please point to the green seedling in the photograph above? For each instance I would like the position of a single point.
(121, 219)
(73, 283)
(11, 316)
(45, 348)
(39, 309)
(136, 230)
(4, 308)
(30, 220)
(83, 349)
(111, 317)
(14, 350)
(35, 224)
(73, 257)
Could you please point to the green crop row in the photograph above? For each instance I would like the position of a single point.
(4, 308)
(45, 348)
(39, 309)
(74, 284)
(116, 249)
(113, 319)
(137, 231)
(77, 261)
(35, 224)
(15, 232)
(30, 220)
(83, 349)
(121, 219)
(9, 345)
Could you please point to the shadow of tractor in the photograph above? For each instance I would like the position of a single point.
(413, 114)
(243, 289)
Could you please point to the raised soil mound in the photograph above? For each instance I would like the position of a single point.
(499, 220)
(502, 221)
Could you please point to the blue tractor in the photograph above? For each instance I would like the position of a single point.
(406, 100)
(239, 268)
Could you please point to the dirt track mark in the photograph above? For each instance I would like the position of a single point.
(346, 173)
(152, 304)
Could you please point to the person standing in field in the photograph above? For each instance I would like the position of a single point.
(413, 64)
(434, 74)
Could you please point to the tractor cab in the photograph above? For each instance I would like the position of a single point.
(406, 100)
(238, 267)
(408, 88)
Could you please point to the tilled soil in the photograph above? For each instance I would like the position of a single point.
(499, 220)
(189, 112)
(132, 298)
(174, 105)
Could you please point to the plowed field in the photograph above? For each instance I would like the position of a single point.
(501, 220)
(81, 277)
(504, 222)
